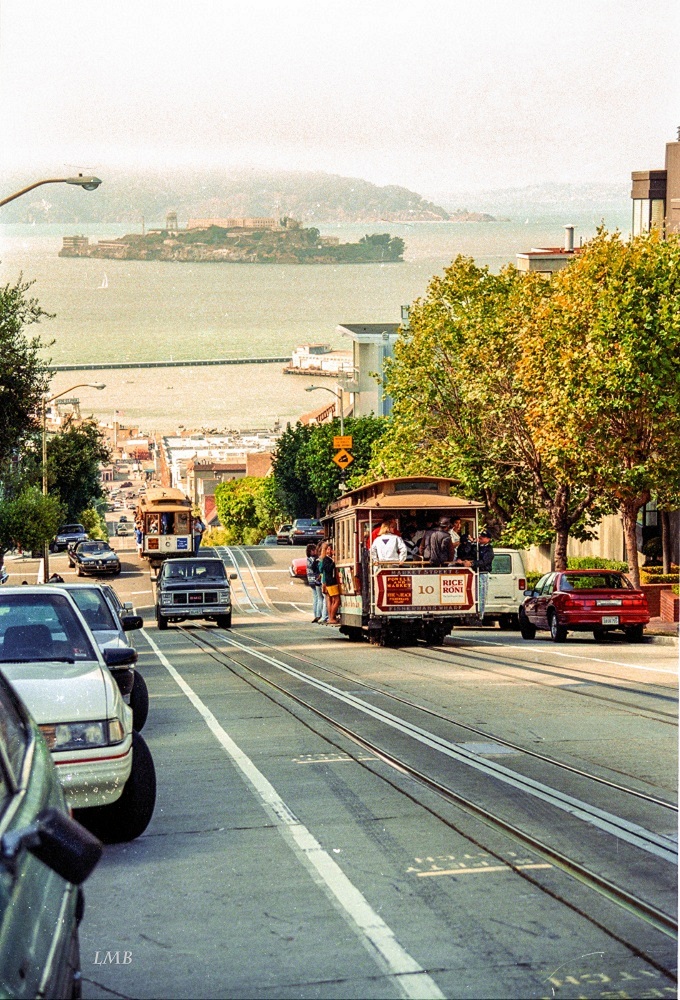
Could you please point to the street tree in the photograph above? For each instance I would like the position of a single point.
(294, 494)
(24, 378)
(606, 352)
(315, 457)
(28, 520)
(73, 459)
(463, 408)
(242, 507)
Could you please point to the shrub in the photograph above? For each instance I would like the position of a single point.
(659, 578)
(596, 562)
(94, 524)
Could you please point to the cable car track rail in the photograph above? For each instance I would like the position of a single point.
(633, 904)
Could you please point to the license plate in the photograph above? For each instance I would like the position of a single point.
(610, 619)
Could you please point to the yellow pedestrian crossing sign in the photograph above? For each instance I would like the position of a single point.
(343, 458)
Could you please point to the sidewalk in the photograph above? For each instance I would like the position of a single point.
(660, 631)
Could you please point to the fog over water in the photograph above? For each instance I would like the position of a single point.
(152, 311)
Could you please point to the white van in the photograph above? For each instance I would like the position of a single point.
(507, 583)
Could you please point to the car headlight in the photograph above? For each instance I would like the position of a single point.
(223, 597)
(166, 598)
(75, 735)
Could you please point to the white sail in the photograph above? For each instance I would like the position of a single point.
(105, 282)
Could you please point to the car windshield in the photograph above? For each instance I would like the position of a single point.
(595, 581)
(94, 609)
(194, 569)
(41, 627)
(94, 548)
(72, 529)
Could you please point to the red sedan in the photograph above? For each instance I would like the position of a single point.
(584, 600)
(298, 569)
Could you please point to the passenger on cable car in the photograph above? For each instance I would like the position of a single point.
(388, 546)
(167, 522)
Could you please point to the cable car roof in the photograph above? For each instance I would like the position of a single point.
(404, 493)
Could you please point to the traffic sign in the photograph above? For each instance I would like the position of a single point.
(343, 458)
(344, 441)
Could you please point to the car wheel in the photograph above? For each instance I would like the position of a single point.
(635, 633)
(558, 633)
(599, 633)
(79, 571)
(139, 702)
(128, 817)
(224, 621)
(161, 622)
(527, 629)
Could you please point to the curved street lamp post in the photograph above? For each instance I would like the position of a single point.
(338, 396)
(87, 183)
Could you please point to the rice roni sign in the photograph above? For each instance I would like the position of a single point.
(425, 589)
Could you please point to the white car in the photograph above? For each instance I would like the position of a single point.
(49, 655)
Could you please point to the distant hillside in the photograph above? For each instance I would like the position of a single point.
(546, 198)
(309, 197)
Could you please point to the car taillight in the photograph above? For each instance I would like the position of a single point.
(522, 584)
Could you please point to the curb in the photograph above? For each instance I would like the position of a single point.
(662, 640)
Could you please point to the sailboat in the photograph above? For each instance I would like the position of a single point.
(105, 282)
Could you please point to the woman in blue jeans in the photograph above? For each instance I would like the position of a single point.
(314, 581)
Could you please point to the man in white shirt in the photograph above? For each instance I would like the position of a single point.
(388, 547)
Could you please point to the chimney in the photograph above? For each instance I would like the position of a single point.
(569, 239)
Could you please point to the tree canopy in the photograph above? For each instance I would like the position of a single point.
(73, 459)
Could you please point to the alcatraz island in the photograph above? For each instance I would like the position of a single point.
(239, 241)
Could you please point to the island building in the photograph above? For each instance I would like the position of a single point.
(244, 223)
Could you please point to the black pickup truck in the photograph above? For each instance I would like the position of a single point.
(193, 588)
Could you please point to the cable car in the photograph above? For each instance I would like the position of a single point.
(164, 516)
(400, 602)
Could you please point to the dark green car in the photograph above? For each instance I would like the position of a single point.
(44, 856)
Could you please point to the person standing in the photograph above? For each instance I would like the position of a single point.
(198, 530)
(314, 581)
(330, 585)
(482, 562)
(388, 546)
(437, 547)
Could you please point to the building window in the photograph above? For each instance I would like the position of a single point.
(658, 213)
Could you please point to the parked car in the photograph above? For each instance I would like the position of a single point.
(93, 557)
(125, 485)
(305, 530)
(49, 655)
(506, 586)
(123, 528)
(298, 569)
(110, 629)
(593, 600)
(193, 588)
(45, 855)
(283, 534)
(68, 534)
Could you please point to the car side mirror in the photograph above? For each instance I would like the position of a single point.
(132, 622)
(128, 605)
(119, 656)
(59, 842)
(233, 576)
(529, 593)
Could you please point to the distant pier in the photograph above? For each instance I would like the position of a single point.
(108, 365)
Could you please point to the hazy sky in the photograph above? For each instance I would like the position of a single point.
(437, 96)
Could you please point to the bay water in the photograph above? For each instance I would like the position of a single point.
(113, 311)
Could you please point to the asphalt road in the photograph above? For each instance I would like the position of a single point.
(289, 856)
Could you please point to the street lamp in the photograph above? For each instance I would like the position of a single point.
(338, 396)
(87, 183)
(45, 401)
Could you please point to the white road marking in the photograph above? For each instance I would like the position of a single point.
(572, 656)
(410, 978)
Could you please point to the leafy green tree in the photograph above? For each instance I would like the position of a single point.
(241, 505)
(315, 457)
(73, 459)
(607, 355)
(294, 494)
(463, 407)
(28, 520)
(23, 377)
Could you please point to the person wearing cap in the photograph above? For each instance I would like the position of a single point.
(482, 563)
